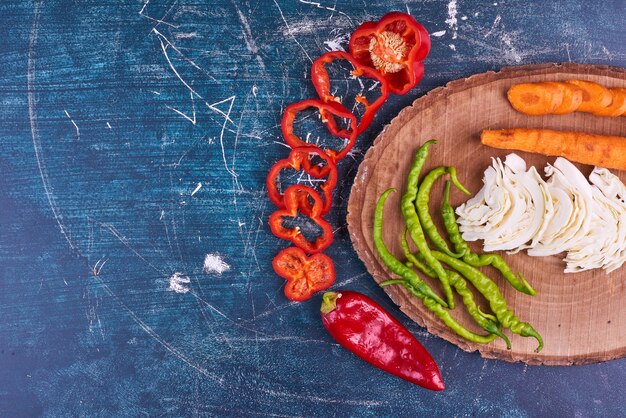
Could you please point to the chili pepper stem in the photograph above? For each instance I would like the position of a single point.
(390, 282)
(329, 302)
(535, 335)
(456, 182)
(527, 288)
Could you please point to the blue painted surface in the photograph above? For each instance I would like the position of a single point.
(112, 113)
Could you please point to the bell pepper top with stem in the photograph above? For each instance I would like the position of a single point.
(396, 45)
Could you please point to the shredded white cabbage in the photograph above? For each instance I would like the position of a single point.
(516, 209)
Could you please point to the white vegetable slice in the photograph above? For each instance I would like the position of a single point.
(479, 215)
(529, 208)
(496, 238)
(548, 208)
(516, 209)
(594, 248)
(605, 244)
(576, 200)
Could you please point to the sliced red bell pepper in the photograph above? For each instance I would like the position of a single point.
(322, 83)
(305, 275)
(328, 113)
(395, 46)
(297, 199)
(300, 158)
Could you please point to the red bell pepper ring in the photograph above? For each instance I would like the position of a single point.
(305, 275)
(395, 46)
(328, 112)
(300, 158)
(297, 198)
(365, 328)
(322, 84)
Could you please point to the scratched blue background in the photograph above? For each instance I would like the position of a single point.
(135, 139)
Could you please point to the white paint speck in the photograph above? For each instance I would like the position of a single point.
(494, 25)
(198, 187)
(438, 34)
(452, 47)
(109, 125)
(510, 52)
(178, 282)
(213, 263)
(363, 175)
(452, 21)
(463, 17)
(75, 125)
(335, 44)
(186, 35)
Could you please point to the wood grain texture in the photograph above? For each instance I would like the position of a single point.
(112, 113)
(580, 316)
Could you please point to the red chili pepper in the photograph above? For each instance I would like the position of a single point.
(297, 199)
(365, 328)
(305, 275)
(328, 112)
(322, 83)
(395, 46)
(300, 158)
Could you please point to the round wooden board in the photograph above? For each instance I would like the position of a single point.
(581, 316)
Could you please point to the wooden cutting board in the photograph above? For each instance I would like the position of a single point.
(581, 316)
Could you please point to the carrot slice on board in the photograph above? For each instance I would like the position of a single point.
(572, 98)
(535, 98)
(595, 96)
(600, 150)
(617, 106)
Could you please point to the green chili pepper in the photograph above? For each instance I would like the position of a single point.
(395, 265)
(421, 204)
(413, 222)
(447, 319)
(485, 321)
(490, 291)
(456, 182)
(415, 261)
(473, 259)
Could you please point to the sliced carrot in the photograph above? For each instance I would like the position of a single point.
(595, 96)
(617, 106)
(558, 93)
(535, 98)
(600, 150)
(572, 98)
